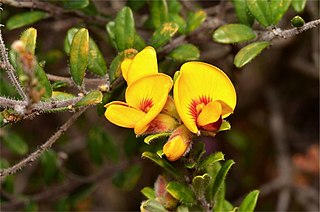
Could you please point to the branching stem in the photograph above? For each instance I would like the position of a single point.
(36, 154)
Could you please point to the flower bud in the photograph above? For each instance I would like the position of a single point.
(178, 144)
(162, 195)
(162, 123)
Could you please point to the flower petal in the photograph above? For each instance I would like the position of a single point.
(162, 123)
(125, 65)
(123, 115)
(153, 89)
(201, 80)
(209, 114)
(144, 63)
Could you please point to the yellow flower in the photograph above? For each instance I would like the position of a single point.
(144, 63)
(145, 98)
(203, 95)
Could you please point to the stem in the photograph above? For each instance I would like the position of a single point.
(47, 145)
(10, 70)
(69, 81)
(11, 103)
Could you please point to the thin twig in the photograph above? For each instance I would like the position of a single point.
(11, 103)
(278, 33)
(36, 154)
(56, 11)
(10, 70)
(87, 81)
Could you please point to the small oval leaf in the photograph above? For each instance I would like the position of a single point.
(151, 138)
(260, 9)
(28, 37)
(233, 33)
(181, 192)
(185, 52)
(152, 205)
(243, 13)
(15, 143)
(200, 183)
(159, 12)
(124, 30)
(148, 192)
(73, 5)
(163, 34)
(210, 160)
(249, 202)
(298, 5)
(195, 19)
(23, 19)
(247, 53)
(79, 55)
(278, 9)
(96, 63)
(94, 97)
(43, 81)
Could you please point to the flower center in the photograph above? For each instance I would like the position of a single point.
(146, 105)
(196, 106)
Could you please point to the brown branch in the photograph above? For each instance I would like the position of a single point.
(278, 33)
(10, 70)
(87, 81)
(47, 145)
(54, 10)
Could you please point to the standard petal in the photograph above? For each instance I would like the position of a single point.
(144, 63)
(125, 67)
(148, 94)
(123, 115)
(209, 114)
(201, 82)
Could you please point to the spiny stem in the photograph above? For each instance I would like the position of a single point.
(44, 147)
(10, 70)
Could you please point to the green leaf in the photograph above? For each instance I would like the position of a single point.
(182, 208)
(148, 192)
(43, 81)
(200, 183)
(139, 43)
(68, 39)
(153, 137)
(176, 18)
(174, 7)
(153, 205)
(260, 9)
(136, 5)
(58, 95)
(48, 161)
(127, 179)
(220, 178)
(278, 9)
(163, 34)
(242, 11)
(23, 19)
(79, 55)
(96, 63)
(110, 30)
(28, 37)
(74, 5)
(224, 126)
(114, 70)
(249, 202)
(94, 97)
(195, 19)
(233, 33)
(247, 53)
(161, 162)
(298, 5)
(124, 30)
(185, 52)
(159, 12)
(181, 192)
(210, 160)
(15, 143)
(228, 206)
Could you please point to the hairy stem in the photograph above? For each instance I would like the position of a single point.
(10, 70)
(47, 145)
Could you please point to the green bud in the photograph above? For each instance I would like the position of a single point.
(297, 21)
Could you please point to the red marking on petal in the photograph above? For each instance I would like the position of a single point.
(212, 127)
(146, 104)
(196, 106)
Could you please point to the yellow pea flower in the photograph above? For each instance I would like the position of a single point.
(145, 98)
(144, 63)
(203, 95)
